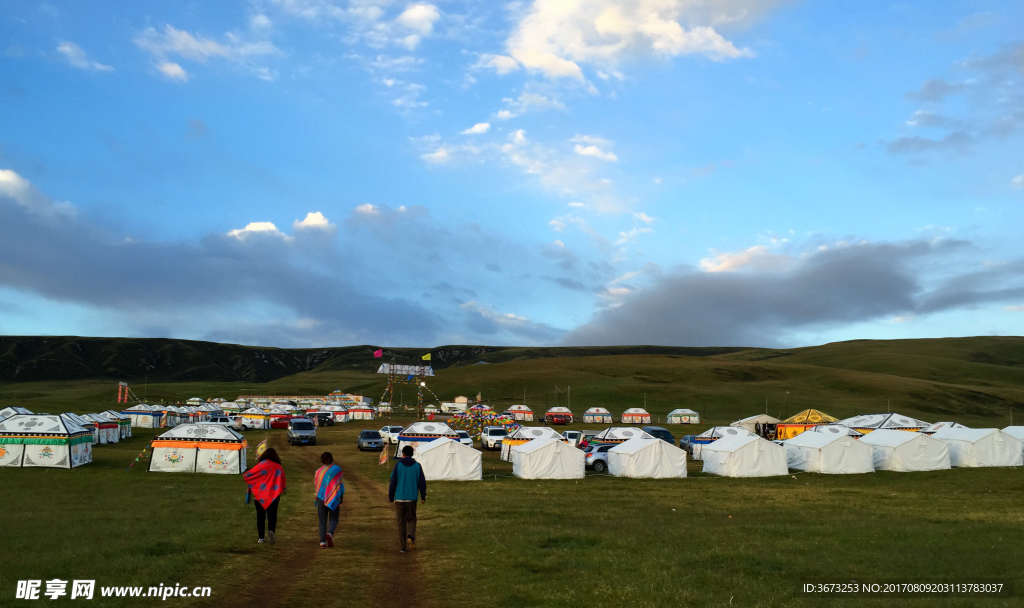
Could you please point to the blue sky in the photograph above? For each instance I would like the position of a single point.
(325, 172)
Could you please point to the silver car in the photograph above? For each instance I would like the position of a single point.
(596, 457)
(370, 440)
(464, 438)
(301, 431)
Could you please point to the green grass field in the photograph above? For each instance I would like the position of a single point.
(700, 541)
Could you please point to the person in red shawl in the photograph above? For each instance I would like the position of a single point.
(266, 484)
(330, 491)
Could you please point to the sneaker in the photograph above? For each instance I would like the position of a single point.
(330, 540)
(260, 540)
(270, 537)
(412, 543)
(403, 551)
(323, 545)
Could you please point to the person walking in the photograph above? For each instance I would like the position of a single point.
(330, 491)
(407, 480)
(266, 483)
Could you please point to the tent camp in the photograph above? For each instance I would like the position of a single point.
(199, 448)
(872, 422)
(361, 412)
(938, 426)
(903, 451)
(124, 423)
(420, 433)
(794, 425)
(982, 448)
(143, 417)
(254, 418)
(548, 458)
(448, 460)
(88, 425)
(646, 458)
(28, 440)
(521, 413)
(834, 429)
(750, 422)
(619, 434)
(829, 453)
(714, 434)
(597, 415)
(7, 412)
(636, 415)
(109, 430)
(745, 456)
(558, 411)
(683, 416)
(524, 434)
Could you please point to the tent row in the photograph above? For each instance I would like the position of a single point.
(600, 415)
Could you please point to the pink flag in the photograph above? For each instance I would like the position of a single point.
(379, 352)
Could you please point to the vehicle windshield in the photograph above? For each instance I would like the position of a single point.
(462, 433)
(497, 432)
(302, 426)
(370, 435)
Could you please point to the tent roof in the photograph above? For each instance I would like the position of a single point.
(810, 416)
(597, 410)
(681, 410)
(142, 407)
(519, 408)
(1015, 431)
(116, 415)
(726, 431)
(559, 410)
(437, 443)
(884, 421)
(32, 424)
(963, 434)
(539, 444)
(79, 420)
(931, 428)
(733, 443)
(815, 440)
(534, 432)
(756, 418)
(891, 437)
(835, 429)
(253, 410)
(202, 431)
(429, 428)
(622, 432)
(636, 444)
(636, 410)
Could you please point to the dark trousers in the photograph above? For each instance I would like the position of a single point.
(406, 513)
(270, 513)
(328, 519)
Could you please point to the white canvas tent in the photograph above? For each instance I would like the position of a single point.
(143, 417)
(938, 426)
(521, 413)
(745, 456)
(829, 453)
(524, 434)
(982, 448)
(646, 458)
(548, 458)
(199, 448)
(636, 415)
(88, 425)
(597, 415)
(905, 451)
(124, 423)
(750, 422)
(873, 422)
(448, 460)
(109, 429)
(7, 412)
(683, 416)
(254, 418)
(560, 410)
(421, 433)
(619, 434)
(1015, 431)
(43, 441)
(714, 434)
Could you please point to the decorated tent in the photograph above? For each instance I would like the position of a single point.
(794, 425)
(524, 434)
(144, 417)
(340, 412)
(683, 416)
(361, 411)
(745, 456)
(421, 433)
(714, 434)
(829, 453)
(448, 460)
(7, 412)
(235, 407)
(255, 418)
(835, 429)
(937, 426)
(475, 418)
(278, 413)
(174, 416)
(28, 440)
(619, 434)
(902, 451)
(750, 422)
(597, 415)
(199, 448)
(521, 413)
(872, 422)
(646, 458)
(982, 448)
(636, 415)
(559, 410)
(196, 401)
(88, 425)
(109, 430)
(124, 423)
(548, 458)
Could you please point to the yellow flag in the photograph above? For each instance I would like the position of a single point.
(383, 456)
(426, 357)
(262, 447)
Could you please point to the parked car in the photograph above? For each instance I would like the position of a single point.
(464, 438)
(686, 442)
(492, 436)
(574, 436)
(322, 418)
(370, 440)
(301, 430)
(558, 418)
(220, 420)
(390, 433)
(596, 457)
(284, 423)
(660, 433)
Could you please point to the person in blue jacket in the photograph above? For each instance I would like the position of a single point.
(407, 480)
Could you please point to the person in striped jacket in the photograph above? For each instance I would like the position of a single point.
(330, 491)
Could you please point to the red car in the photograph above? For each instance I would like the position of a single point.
(282, 422)
(558, 418)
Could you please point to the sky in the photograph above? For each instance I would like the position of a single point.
(310, 173)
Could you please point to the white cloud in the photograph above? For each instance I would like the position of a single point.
(19, 190)
(595, 152)
(78, 58)
(314, 220)
(758, 257)
(643, 217)
(1015, 308)
(419, 18)
(478, 129)
(556, 36)
(632, 235)
(259, 21)
(173, 71)
(367, 209)
(257, 228)
(526, 102)
(1018, 182)
(501, 64)
(439, 156)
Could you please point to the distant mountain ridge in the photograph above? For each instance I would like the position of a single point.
(42, 358)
